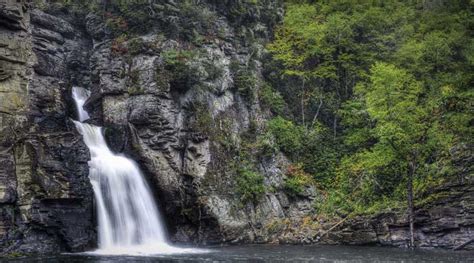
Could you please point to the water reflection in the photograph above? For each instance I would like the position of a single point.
(280, 253)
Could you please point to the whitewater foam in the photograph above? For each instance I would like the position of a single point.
(129, 222)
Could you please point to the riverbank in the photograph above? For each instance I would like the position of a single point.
(444, 221)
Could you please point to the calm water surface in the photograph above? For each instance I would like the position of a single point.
(276, 253)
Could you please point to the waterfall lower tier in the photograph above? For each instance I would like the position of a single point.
(128, 219)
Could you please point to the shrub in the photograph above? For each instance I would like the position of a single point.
(118, 45)
(245, 80)
(288, 136)
(249, 185)
(116, 24)
(175, 58)
(272, 99)
(196, 21)
(265, 145)
(73, 6)
(133, 83)
(136, 45)
(297, 180)
(204, 123)
(177, 64)
(213, 70)
(136, 15)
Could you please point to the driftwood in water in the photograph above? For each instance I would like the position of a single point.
(334, 226)
(464, 244)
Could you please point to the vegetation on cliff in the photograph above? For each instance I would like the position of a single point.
(378, 94)
(368, 98)
(371, 101)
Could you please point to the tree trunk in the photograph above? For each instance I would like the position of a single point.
(317, 112)
(411, 211)
(302, 103)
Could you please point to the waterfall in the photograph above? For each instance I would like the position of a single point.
(128, 219)
(80, 96)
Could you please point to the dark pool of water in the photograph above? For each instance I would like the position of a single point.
(277, 253)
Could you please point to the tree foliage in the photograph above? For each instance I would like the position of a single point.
(380, 91)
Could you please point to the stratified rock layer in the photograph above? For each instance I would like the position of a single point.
(45, 196)
(445, 222)
(181, 99)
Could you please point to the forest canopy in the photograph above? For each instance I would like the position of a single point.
(378, 97)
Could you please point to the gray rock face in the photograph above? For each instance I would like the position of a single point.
(173, 106)
(445, 222)
(172, 115)
(45, 196)
(181, 99)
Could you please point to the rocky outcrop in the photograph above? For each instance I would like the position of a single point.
(445, 221)
(45, 196)
(177, 88)
(181, 106)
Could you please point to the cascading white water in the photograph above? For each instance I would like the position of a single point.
(128, 219)
(80, 96)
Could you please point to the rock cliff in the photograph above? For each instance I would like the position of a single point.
(45, 196)
(444, 222)
(180, 95)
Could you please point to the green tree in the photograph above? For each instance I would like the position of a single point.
(406, 128)
(387, 98)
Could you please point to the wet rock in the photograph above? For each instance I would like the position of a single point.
(45, 195)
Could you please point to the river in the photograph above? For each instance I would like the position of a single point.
(276, 253)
